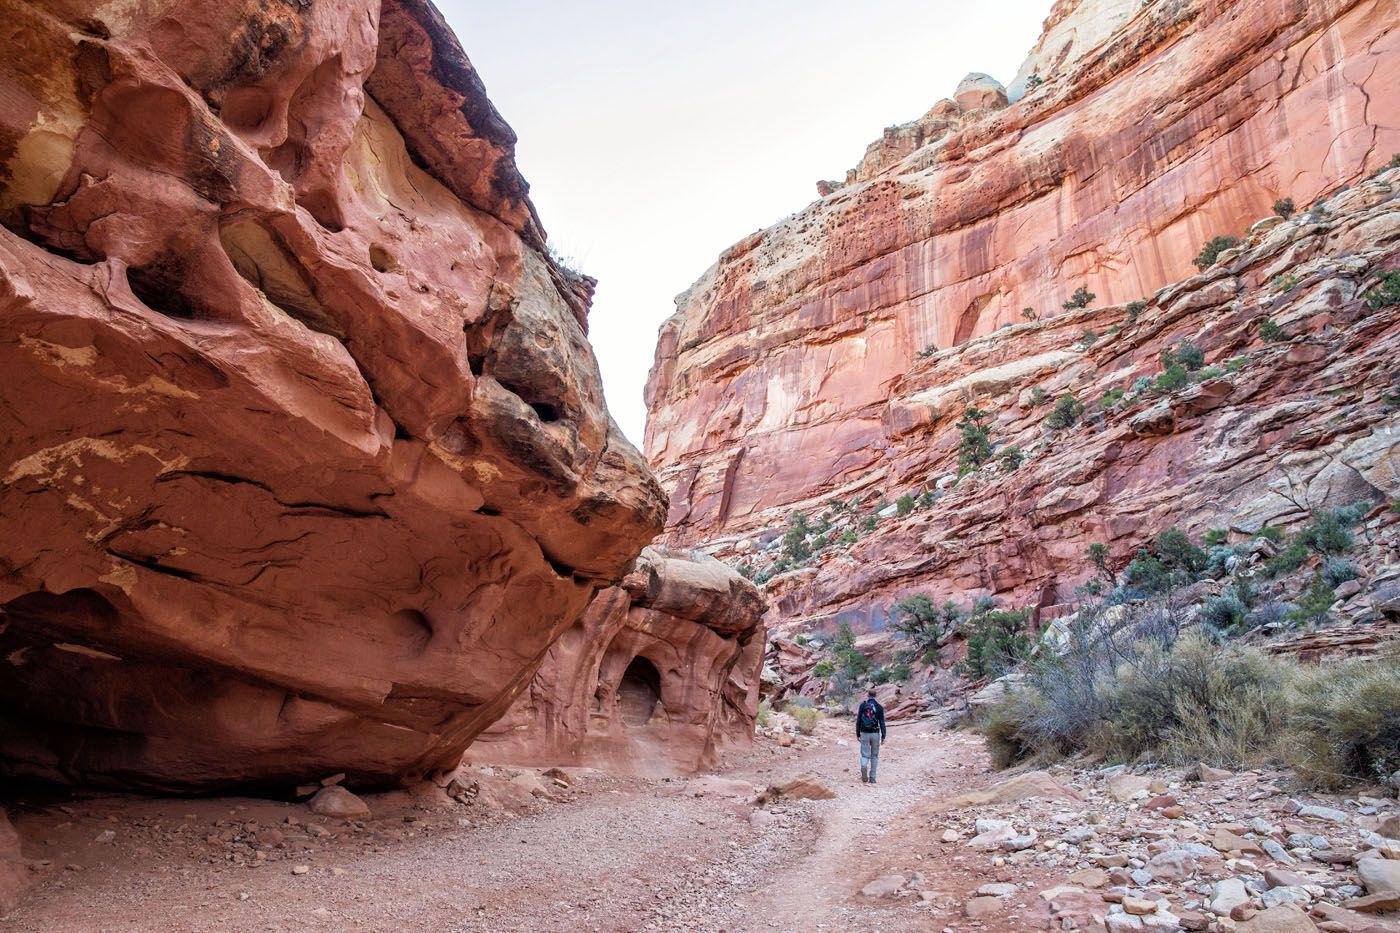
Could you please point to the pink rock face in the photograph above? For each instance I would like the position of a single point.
(1265, 432)
(658, 677)
(772, 382)
(304, 460)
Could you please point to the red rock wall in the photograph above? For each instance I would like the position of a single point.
(771, 381)
(304, 460)
(697, 624)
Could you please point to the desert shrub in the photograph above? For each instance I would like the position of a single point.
(924, 623)
(1215, 537)
(802, 639)
(849, 660)
(1186, 354)
(1391, 399)
(1285, 282)
(904, 504)
(1285, 208)
(1386, 293)
(975, 445)
(823, 669)
(1226, 612)
(807, 719)
(1143, 690)
(1065, 413)
(1338, 570)
(1111, 398)
(1142, 384)
(1212, 250)
(1029, 314)
(1173, 561)
(1011, 459)
(1270, 331)
(1033, 82)
(1135, 308)
(765, 714)
(896, 672)
(1329, 532)
(996, 641)
(1172, 378)
(1081, 298)
(847, 537)
(928, 351)
(1315, 605)
(870, 522)
(926, 499)
(1087, 338)
(1345, 722)
(795, 547)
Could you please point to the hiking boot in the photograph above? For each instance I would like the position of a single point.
(864, 776)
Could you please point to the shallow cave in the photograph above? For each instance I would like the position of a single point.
(639, 692)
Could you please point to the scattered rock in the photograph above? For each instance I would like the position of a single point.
(884, 886)
(980, 907)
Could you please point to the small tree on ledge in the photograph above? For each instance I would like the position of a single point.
(1081, 298)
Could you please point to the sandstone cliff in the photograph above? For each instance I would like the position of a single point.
(304, 460)
(1187, 120)
(658, 677)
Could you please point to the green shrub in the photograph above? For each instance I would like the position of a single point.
(870, 522)
(1345, 722)
(926, 499)
(1285, 282)
(807, 718)
(1212, 250)
(847, 537)
(1392, 399)
(1134, 309)
(823, 669)
(904, 504)
(1216, 537)
(1386, 293)
(765, 714)
(1173, 561)
(996, 641)
(928, 351)
(924, 623)
(1111, 398)
(975, 446)
(1065, 413)
(1173, 377)
(795, 546)
(1038, 397)
(1011, 459)
(1029, 314)
(1315, 607)
(1081, 298)
(1087, 338)
(1285, 208)
(1270, 331)
(1226, 612)
(1187, 354)
(849, 660)
(1329, 532)
(1033, 82)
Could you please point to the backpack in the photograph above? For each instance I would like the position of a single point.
(866, 719)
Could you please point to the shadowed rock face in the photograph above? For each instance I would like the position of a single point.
(304, 459)
(1186, 120)
(658, 677)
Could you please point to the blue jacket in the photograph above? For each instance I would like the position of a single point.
(879, 716)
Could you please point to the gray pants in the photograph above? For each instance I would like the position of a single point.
(869, 752)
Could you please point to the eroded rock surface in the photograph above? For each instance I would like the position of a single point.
(1158, 126)
(304, 459)
(659, 676)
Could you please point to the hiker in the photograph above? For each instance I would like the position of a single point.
(870, 731)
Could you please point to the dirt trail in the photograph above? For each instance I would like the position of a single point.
(619, 854)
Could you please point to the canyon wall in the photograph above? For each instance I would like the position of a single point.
(304, 459)
(659, 676)
(1156, 127)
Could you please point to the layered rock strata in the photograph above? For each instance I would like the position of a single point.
(304, 459)
(659, 676)
(1156, 127)
(1293, 407)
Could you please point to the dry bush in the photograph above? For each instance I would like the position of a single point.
(1345, 723)
(807, 718)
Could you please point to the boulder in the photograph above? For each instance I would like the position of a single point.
(338, 802)
(1032, 784)
(980, 92)
(884, 886)
(317, 464)
(1285, 919)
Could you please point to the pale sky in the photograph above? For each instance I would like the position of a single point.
(655, 134)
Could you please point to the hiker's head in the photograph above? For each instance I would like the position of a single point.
(870, 693)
